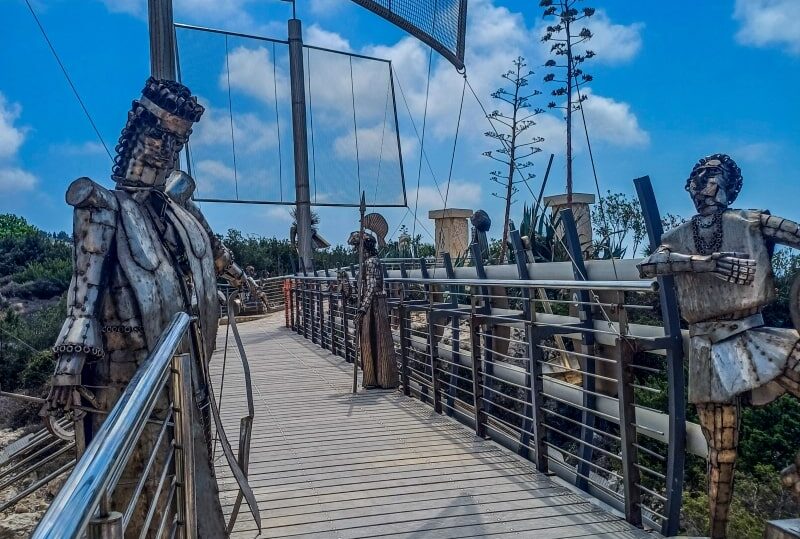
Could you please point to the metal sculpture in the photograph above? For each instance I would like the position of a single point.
(372, 317)
(143, 252)
(721, 260)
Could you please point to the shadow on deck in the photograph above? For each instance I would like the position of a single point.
(326, 463)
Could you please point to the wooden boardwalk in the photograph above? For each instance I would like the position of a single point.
(328, 464)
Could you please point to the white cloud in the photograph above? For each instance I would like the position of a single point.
(251, 72)
(769, 22)
(211, 172)
(15, 180)
(462, 194)
(374, 143)
(231, 13)
(279, 213)
(317, 36)
(11, 136)
(251, 134)
(613, 122)
(613, 43)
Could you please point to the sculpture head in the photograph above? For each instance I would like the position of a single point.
(714, 183)
(159, 124)
(369, 243)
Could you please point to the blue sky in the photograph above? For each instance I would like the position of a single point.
(673, 81)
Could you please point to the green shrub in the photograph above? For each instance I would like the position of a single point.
(58, 270)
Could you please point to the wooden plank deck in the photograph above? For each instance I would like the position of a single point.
(328, 464)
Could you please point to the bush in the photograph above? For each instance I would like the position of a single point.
(758, 497)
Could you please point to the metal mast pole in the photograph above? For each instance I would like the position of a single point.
(162, 39)
(300, 135)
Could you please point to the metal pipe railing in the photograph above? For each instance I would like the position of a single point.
(107, 455)
(515, 399)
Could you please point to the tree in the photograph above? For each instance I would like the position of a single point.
(517, 148)
(564, 41)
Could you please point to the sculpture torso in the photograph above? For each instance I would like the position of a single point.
(704, 297)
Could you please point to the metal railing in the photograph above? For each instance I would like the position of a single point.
(86, 504)
(576, 375)
(272, 287)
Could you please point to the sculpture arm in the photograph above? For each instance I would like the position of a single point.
(781, 230)
(179, 188)
(736, 268)
(665, 262)
(94, 228)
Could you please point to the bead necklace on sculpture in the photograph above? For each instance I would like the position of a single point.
(142, 253)
(721, 260)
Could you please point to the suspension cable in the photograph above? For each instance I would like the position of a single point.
(453, 154)
(422, 142)
(416, 132)
(311, 117)
(69, 80)
(277, 119)
(230, 115)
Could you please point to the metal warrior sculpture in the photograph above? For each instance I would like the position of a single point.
(721, 262)
(372, 317)
(143, 252)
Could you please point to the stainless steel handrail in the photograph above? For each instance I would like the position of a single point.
(645, 285)
(109, 451)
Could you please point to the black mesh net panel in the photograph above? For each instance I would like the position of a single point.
(439, 23)
(242, 149)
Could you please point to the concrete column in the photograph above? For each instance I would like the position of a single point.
(580, 210)
(452, 230)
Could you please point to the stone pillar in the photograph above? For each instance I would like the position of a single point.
(452, 230)
(580, 209)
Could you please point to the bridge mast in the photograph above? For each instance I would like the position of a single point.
(162, 39)
(300, 141)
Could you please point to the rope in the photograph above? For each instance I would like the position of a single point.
(594, 170)
(416, 132)
(28, 346)
(355, 125)
(69, 80)
(230, 115)
(538, 205)
(453, 154)
(277, 120)
(383, 136)
(311, 117)
(422, 143)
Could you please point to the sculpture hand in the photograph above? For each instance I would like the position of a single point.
(733, 267)
(66, 389)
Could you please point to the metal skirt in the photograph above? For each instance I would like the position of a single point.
(719, 371)
(377, 347)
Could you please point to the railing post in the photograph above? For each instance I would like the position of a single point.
(587, 347)
(477, 372)
(403, 313)
(627, 419)
(432, 344)
(332, 320)
(346, 331)
(184, 446)
(486, 309)
(676, 450)
(107, 525)
(455, 335)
